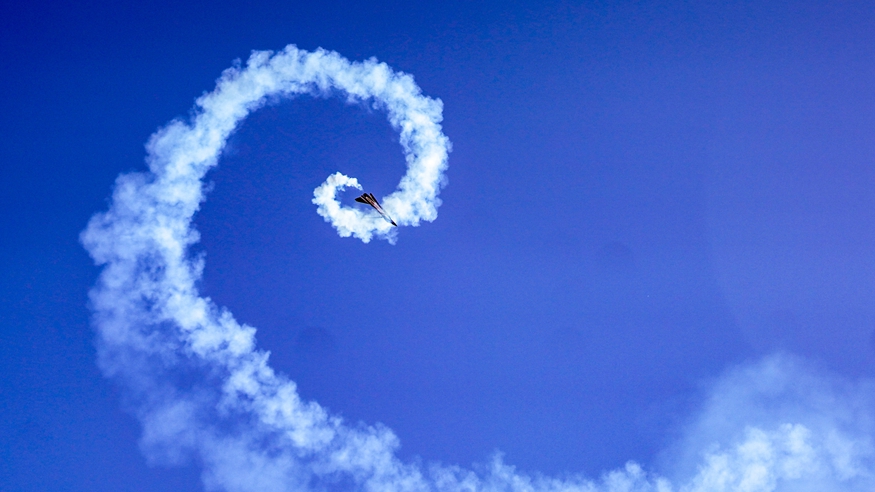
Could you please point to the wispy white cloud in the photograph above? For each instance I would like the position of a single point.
(780, 424)
(203, 390)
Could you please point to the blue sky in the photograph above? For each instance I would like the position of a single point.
(654, 245)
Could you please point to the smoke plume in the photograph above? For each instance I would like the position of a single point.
(203, 391)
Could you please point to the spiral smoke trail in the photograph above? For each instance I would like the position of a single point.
(202, 389)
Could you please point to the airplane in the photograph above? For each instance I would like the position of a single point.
(369, 199)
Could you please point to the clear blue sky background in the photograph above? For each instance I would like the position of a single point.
(641, 195)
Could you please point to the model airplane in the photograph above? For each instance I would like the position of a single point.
(369, 199)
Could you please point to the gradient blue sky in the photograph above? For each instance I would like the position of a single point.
(642, 195)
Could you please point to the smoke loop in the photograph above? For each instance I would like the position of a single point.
(202, 389)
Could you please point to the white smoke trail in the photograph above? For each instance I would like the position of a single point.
(203, 391)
